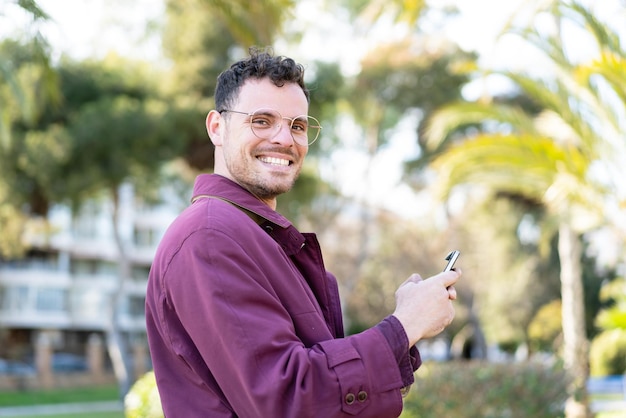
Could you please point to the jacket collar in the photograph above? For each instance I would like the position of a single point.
(215, 185)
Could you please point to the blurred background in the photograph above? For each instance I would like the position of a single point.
(496, 128)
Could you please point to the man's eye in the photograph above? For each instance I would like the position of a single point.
(261, 122)
(299, 126)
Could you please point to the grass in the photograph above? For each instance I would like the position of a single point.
(61, 396)
(56, 396)
(79, 415)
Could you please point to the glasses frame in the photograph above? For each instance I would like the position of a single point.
(292, 120)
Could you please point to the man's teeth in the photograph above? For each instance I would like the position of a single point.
(276, 161)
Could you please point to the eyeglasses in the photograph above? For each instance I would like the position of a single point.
(266, 123)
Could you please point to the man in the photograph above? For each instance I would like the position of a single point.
(242, 318)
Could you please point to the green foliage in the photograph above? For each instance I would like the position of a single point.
(251, 23)
(509, 276)
(199, 51)
(545, 328)
(12, 224)
(110, 140)
(614, 315)
(327, 87)
(486, 390)
(607, 355)
(400, 76)
(143, 400)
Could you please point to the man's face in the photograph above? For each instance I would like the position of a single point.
(266, 167)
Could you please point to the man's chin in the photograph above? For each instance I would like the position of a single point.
(269, 191)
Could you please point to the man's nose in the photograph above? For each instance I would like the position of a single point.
(283, 135)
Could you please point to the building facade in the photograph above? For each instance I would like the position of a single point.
(59, 301)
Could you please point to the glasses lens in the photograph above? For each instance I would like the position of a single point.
(265, 123)
(305, 129)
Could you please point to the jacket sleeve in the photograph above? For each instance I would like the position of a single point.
(241, 323)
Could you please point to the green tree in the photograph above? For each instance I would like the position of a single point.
(36, 48)
(24, 153)
(551, 158)
(108, 130)
(27, 83)
(116, 124)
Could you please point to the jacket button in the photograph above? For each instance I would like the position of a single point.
(362, 396)
(350, 398)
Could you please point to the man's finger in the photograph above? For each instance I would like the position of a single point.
(450, 277)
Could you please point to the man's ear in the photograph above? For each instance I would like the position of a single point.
(214, 127)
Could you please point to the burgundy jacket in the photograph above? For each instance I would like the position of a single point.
(244, 321)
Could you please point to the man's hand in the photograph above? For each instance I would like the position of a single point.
(424, 307)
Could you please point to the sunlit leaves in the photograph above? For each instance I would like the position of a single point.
(613, 316)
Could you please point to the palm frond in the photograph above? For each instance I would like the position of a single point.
(612, 68)
(452, 117)
(606, 39)
(579, 105)
(532, 166)
(33, 8)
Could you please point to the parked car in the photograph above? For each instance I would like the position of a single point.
(16, 368)
(67, 362)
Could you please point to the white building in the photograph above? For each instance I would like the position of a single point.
(62, 290)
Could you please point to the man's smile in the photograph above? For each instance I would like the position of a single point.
(275, 161)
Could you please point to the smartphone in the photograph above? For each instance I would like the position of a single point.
(451, 258)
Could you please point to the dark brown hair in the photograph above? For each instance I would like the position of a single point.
(260, 64)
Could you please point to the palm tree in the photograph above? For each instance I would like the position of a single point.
(554, 158)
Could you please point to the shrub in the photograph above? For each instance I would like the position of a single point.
(607, 355)
(143, 400)
(487, 390)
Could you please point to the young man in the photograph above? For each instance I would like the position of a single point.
(243, 320)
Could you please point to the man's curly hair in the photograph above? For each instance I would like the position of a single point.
(261, 64)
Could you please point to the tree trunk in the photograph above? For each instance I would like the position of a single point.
(575, 344)
(116, 344)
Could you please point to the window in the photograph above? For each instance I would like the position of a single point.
(136, 306)
(144, 237)
(51, 300)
